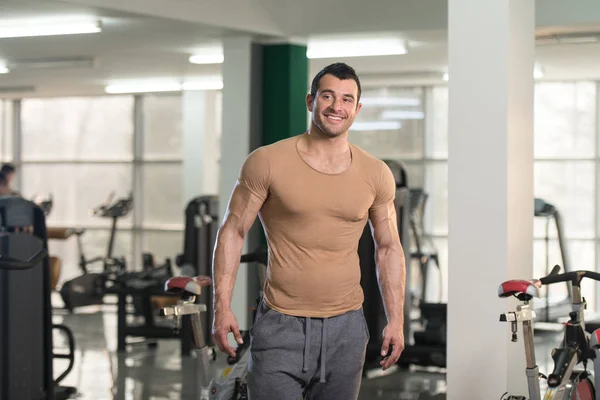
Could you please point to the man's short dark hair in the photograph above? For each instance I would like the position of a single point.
(7, 169)
(3, 180)
(339, 70)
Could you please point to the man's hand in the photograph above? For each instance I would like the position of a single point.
(393, 336)
(224, 323)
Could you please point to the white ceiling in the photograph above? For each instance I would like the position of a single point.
(427, 61)
(135, 46)
(129, 47)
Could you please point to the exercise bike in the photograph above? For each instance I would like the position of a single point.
(113, 211)
(578, 347)
(231, 384)
(89, 288)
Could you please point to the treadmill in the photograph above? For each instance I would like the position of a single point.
(553, 306)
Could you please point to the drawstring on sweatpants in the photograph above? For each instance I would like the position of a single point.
(323, 348)
(323, 352)
(306, 336)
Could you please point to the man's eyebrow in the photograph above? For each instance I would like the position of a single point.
(331, 91)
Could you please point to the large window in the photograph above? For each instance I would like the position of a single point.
(79, 150)
(77, 129)
(161, 170)
(6, 131)
(85, 150)
(565, 174)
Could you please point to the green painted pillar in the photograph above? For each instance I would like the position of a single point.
(285, 86)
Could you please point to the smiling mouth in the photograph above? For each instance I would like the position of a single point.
(334, 118)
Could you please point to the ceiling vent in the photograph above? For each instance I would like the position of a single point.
(51, 63)
(16, 89)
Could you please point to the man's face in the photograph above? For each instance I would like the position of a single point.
(335, 105)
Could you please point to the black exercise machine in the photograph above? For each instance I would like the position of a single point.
(422, 347)
(142, 287)
(90, 287)
(201, 226)
(428, 346)
(547, 308)
(425, 346)
(26, 343)
(424, 250)
(145, 287)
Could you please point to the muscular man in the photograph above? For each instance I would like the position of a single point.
(314, 194)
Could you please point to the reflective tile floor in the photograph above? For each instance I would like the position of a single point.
(100, 373)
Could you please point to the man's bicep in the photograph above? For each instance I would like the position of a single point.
(242, 210)
(249, 193)
(384, 225)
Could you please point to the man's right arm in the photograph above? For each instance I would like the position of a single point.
(240, 215)
(247, 198)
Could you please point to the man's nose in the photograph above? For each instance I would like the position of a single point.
(336, 104)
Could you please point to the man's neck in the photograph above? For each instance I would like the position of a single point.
(319, 144)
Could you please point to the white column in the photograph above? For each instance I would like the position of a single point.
(490, 190)
(201, 147)
(241, 134)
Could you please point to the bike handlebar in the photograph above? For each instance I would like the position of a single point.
(7, 262)
(574, 277)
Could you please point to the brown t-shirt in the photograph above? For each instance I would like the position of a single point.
(313, 222)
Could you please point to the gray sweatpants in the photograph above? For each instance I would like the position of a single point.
(292, 357)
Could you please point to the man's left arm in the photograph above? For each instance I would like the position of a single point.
(391, 271)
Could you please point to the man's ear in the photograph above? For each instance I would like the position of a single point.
(309, 102)
(358, 107)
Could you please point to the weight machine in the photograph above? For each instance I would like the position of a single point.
(26, 327)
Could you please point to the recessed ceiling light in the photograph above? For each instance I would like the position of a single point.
(207, 59)
(48, 27)
(212, 83)
(360, 47)
(208, 55)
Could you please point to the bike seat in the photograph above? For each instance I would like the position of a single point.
(525, 290)
(188, 284)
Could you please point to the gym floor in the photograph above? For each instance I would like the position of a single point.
(100, 373)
